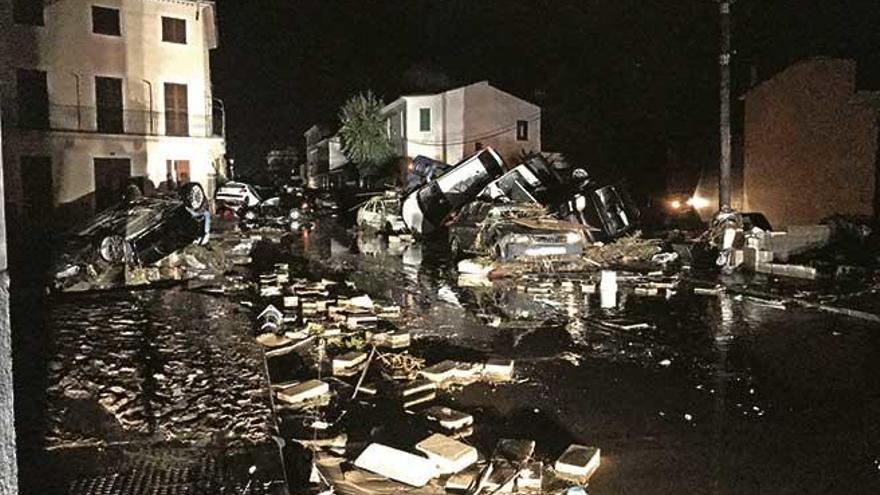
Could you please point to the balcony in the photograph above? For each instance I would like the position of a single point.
(113, 121)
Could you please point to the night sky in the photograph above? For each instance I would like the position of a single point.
(621, 82)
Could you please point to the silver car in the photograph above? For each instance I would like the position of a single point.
(382, 213)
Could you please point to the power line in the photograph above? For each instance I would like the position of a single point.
(474, 138)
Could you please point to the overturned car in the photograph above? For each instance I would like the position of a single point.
(138, 232)
(511, 232)
(425, 209)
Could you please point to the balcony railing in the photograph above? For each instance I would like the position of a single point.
(137, 122)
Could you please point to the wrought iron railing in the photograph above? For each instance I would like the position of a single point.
(107, 120)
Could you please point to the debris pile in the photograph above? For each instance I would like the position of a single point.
(345, 377)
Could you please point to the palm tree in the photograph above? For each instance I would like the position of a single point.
(363, 136)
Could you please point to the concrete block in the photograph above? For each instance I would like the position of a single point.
(460, 482)
(450, 456)
(418, 399)
(531, 477)
(299, 393)
(449, 419)
(578, 461)
(415, 387)
(361, 321)
(397, 465)
(348, 362)
(792, 271)
(440, 372)
(499, 369)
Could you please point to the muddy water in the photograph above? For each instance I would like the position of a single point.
(142, 391)
(722, 394)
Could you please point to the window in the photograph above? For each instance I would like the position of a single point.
(174, 30)
(178, 169)
(424, 119)
(108, 98)
(176, 110)
(105, 21)
(522, 130)
(33, 99)
(28, 12)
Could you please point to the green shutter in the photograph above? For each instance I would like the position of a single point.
(424, 119)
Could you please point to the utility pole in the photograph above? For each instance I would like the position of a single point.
(8, 465)
(724, 64)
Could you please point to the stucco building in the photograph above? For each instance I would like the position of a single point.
(811, 144)
(96, 92)
(452, 125)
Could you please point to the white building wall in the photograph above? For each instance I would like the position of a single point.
(491, 119)
(418, 142)
(463, 117)
(72, 56)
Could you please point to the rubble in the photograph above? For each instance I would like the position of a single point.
(301, 392)
(449, 455)
(397, 465)
(578, 461)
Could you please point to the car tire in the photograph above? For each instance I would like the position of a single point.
(193, 196)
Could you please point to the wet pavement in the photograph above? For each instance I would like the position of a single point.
(715, 394)
(147, 391)
(719, 394)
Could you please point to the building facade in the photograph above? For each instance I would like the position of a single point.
(97, 92)
(811, 144)
(325, 164)
(452, 125)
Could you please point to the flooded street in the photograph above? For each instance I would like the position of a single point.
(714, 394)
(147, 391)
(165, 388)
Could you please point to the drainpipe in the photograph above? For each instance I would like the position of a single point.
(78, 103)
(444, 128)
(150, 88)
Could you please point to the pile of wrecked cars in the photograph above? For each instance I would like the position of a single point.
(534, 210)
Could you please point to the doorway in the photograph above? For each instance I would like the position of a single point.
(111, 179)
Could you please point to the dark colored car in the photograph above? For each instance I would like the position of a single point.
(607, 212)
(136, 232)
(513, 232)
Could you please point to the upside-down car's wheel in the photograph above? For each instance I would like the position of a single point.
(193, 196)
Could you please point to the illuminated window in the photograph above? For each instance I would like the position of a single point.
(424, 119)
(522, 130)
(105, 21)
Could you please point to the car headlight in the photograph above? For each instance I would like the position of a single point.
(295, 215)
(113, 249)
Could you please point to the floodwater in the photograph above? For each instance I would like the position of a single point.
(721, 394)
(145, 391)
(717, 394)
